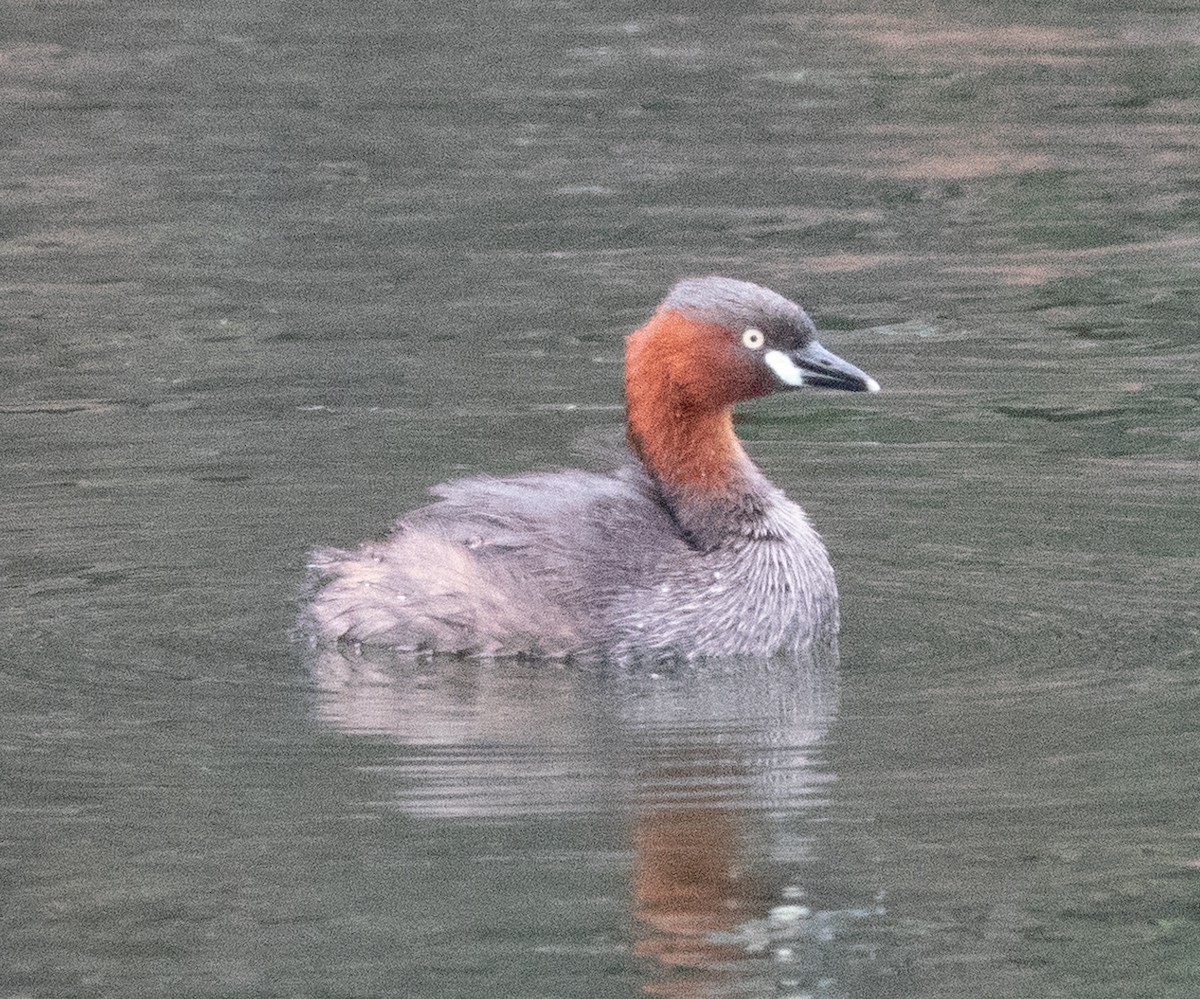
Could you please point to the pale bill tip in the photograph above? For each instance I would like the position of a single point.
(872, 384)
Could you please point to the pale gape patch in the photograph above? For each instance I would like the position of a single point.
(786, 370)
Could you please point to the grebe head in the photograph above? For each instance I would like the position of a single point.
(715, 341)
(752, 340)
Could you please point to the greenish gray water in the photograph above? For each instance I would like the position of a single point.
(268, 271)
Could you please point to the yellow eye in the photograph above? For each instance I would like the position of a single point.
(753, 338)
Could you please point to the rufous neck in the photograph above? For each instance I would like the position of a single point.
(678, 423)
(688, 450)
(685, 439)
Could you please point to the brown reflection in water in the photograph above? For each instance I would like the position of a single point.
(685, 882)
(689, 888)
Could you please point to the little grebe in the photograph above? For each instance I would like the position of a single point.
(687, 551)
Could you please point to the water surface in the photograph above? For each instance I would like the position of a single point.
(269, 271)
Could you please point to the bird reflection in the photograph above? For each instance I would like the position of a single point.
(687, 890)
(704, 759)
